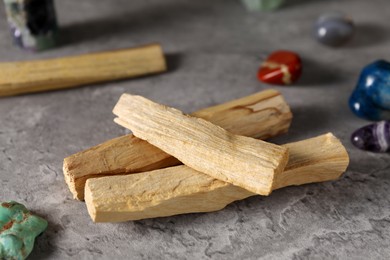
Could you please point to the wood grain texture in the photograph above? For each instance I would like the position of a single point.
(41, 75)
(243, 161)
(261, 115)
(180, 189)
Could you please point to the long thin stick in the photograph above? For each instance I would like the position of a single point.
(246, 162)
(34, 76)
(180, 189)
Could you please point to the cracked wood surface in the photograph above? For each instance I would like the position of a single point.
(261, 115)
(243, 161)
(180, 189)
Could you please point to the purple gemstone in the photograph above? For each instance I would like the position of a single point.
(374, 137)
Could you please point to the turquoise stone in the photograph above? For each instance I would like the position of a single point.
(18, 230)
(33, 23)
(371, 97)
(262, 5)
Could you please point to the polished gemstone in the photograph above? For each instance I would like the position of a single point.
(33, 23)
(371, 97)
(18, 230)
(334, 29)
(374, 137)
(262, 5)
(280, 68)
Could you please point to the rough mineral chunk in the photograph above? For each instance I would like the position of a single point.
(18, 230)
(33, 23)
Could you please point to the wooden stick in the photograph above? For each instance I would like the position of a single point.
(33, 76)
(243, 161)
(261, 115)
(180, 189)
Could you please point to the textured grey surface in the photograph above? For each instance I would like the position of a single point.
(215, 49)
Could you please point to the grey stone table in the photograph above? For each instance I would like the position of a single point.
(214, 49)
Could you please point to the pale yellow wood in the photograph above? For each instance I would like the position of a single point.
(261, 115)
(34, 76)
(180, 189)
(243, 161)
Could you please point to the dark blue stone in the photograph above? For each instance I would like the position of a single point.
(371, 97)
(374, 137)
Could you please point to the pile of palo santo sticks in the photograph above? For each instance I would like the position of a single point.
(141, 175)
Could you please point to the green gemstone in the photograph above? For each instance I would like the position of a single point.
(33, 23)
(262, 5)
(18, 230)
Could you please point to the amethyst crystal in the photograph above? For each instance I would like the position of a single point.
(374, 137)
(33, 23)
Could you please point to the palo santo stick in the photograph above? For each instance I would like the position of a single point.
(246, 162)
(33, 76)
(261, 115)
(180, 189)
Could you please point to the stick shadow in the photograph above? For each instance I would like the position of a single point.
(308, 122)
(131, 21)
(291, 3)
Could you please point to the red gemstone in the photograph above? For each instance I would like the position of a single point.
(280, 68)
